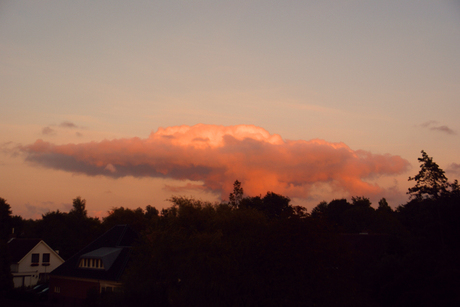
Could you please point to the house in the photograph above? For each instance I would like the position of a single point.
(31, 261)
(96, 268)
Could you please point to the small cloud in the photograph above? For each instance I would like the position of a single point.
(35, 210)
(10, 148)
(53, 129)
(444, 129)
(454, 168)
(110, 168)
(48, 131)
(67, 124)
(433, 125)
(67, 206)
(6, 147)
(187, 187)
(429, 123)
(98, 214)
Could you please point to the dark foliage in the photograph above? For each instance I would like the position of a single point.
(202, 254)
(65, 232)
(6, 280)
(263, 251)
(430, 182)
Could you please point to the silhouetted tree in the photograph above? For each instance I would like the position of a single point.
(204, 254)
(425, 268)
(117, 216)
(335, 212)
(383, 206)
(385, 219)
(79, 208)
(6, 280)
(430, 182)
(237, 195)
(66, 232)
(361, 201)
(359, 217)
(320, 210)
(151, 213)
(5, 219)
(273, 206)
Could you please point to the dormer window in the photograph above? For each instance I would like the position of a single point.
(101, 258)
(91, 263)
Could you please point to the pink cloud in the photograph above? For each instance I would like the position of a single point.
(218, 155)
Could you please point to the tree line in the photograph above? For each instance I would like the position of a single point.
(264, 251)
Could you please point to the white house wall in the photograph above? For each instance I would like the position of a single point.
(30, 275)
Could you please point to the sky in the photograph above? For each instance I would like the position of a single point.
(128, 103)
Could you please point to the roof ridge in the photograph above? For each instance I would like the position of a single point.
(21, 252)
(120, 238)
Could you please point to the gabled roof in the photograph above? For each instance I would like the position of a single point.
(19, 248)
(114, 246)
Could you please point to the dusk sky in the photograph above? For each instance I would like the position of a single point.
(127, 103)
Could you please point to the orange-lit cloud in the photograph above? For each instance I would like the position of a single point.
(217, 155)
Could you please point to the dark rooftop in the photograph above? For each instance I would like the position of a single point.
(114, 245)
(18, 248)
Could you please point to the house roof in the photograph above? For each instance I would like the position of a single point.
(19, 248)
(108, 255)
(114, 247)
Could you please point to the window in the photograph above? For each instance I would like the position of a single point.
(91, 263)
(35, 259)
(46, 259)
